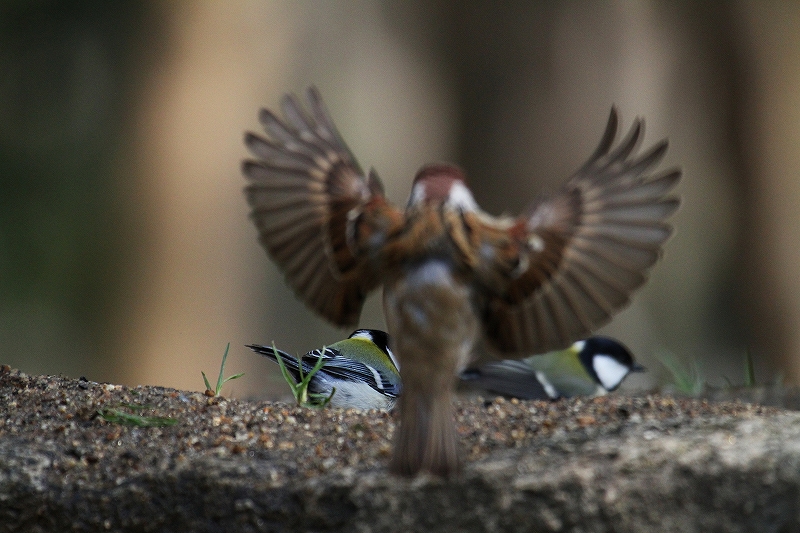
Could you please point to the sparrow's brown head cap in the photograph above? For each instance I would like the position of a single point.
(436, 183)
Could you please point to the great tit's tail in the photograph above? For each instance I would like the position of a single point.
(510, 377)
(290, 362)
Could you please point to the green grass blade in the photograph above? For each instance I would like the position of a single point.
(205, 380)
(235, 376)
(687, 379)
(287, 376)
(749, 369)
(220, 380)
(116, 416)
(299, 389)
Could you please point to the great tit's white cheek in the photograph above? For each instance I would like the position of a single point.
(610, 371)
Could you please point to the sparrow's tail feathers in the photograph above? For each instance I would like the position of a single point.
(426, 439)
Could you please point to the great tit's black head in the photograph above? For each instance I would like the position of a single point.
(379, 338)
(607, 360)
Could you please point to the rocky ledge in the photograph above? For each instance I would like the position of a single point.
(82, 456)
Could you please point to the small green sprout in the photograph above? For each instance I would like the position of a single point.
(220, 379)
(300, 389)
(118, 416)
(687, 380)
(749, 369)
(750, 374)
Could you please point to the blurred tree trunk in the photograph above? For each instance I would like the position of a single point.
(770, 45)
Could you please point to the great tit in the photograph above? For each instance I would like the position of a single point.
(590, 367)
(362, 368)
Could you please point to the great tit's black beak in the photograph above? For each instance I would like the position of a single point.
(638, 368)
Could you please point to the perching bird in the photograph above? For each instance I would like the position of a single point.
(450, 271)
(362, 368)
(590, 367)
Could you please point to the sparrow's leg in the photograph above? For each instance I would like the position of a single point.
(433, 327)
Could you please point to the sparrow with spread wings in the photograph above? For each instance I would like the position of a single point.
(450, 271)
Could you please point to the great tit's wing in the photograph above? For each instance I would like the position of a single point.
(347, 369)
(318, 215)
(508, 378)
(579, 254)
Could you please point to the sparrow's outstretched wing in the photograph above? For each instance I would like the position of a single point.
(585, 249)
(314, 208)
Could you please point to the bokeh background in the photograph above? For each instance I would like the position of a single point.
(126, 253)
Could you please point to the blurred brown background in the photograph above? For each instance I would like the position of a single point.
(126, 254)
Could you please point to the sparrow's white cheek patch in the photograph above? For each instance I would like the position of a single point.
(460, 197)
(417, 194)
(610, 371)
